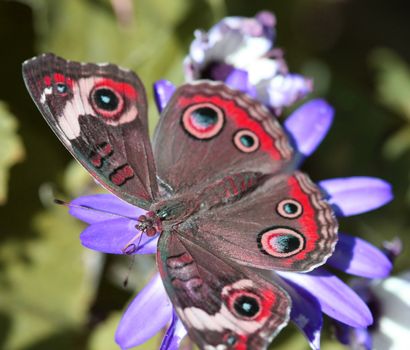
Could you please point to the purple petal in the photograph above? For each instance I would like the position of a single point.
(336, 299)
(163, 91)
(174, 334)
(114, 236)
(358, 257)
(309, 124)
(356, 195)
(238, 79)
(150, 311)
(102, 207)
(305, 312)
(355, 338)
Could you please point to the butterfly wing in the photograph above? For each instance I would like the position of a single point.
(222, 305)
(283, 224)
(232, 153)
(99, 112)
(208, 131)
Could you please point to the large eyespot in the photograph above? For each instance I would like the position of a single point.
(244, 304)
(281, 242)
(246, 141)
(203, 121)
(289, 209)
(107, 102)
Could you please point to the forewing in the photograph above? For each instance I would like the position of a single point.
(208, 131)
(284, 224)
(222, 305)
(99, 112)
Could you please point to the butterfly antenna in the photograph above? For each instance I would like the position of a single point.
(127, 277)
(131, 265)
(79, 206)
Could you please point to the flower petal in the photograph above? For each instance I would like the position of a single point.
(101, 207)
(358, 257)
(305, 312)
(235, 41)
(309, 124)
(174, 334)
(238, 79)
(356, 195)
(284, 90)
(392, 297)
(355, 338)
(113, 236)
(163, 91)
(336, 299)
(150, 311)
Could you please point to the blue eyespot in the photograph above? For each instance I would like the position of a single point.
(106, 99)
(204, 117)
(289, 208)
(203, 121)
(246, 306)
(246, 141)
(61, 88)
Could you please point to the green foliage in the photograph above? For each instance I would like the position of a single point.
(45, 286)
(393, 89)
(11, 148)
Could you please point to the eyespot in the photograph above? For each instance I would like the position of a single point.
(230, 339)
(203, 121)
(246, 141)
(107, 102)
(244, 304)
(281, 242)
(61, 88)
(289, 209)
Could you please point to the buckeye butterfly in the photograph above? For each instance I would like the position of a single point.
(218, 182)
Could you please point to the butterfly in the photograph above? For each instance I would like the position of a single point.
(219, 184)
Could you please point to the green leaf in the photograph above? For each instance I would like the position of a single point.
(11, 148)
(398, 144)
(392, 80)
(45, 288)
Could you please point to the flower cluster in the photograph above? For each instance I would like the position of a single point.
(389, 303)
(240, 52)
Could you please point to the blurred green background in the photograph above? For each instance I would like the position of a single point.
(54, 294)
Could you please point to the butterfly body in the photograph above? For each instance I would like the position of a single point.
(218, 184)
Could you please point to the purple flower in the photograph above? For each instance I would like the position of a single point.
(388, 300)
(112, 230)
(240, 51)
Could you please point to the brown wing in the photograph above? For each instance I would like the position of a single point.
(283, 224)
(208, 131)
(99, 112)
(222, 305)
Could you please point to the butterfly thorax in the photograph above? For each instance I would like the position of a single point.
(176, 209)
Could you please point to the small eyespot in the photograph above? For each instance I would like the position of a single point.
(246, 141)
(231, 340)
(289, 209)
(281, 242)
(107, 102)
(61, 88)
(203, 121)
